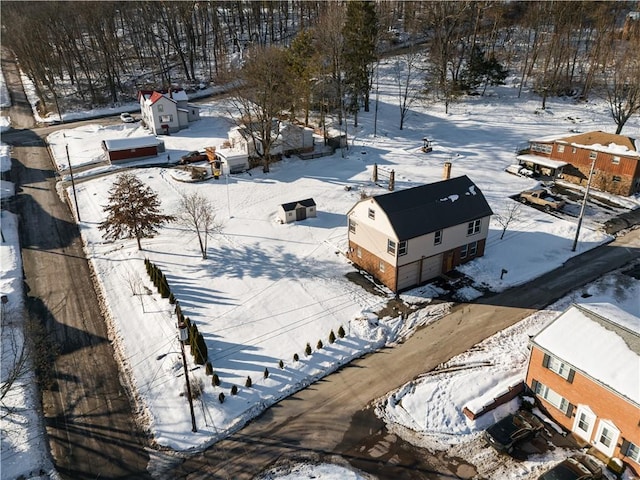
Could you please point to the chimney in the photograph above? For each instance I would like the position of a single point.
(447, 171)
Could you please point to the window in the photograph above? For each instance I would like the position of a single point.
(606, 437)
(160, 108)
(289, 214)
(437, 237)
(615, 160)
(593, 155)
(372, 214)
(617, 178)
(391, 247)
(633, 452)
(166, 118)
(473, 227)
(359, 252)
(381, 266)
(559, 367)
(402, 248)
(560, 148)
(464, 250)
(574, 150)
(541, 147)
(553, 398)
(473, 249)
(352, 226)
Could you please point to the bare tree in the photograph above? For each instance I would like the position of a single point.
(198, 214)
(509, 213)
(406, 76)
(623, 88)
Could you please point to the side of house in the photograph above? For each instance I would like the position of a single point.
(584, 369)
(407, 237)
(616, 160)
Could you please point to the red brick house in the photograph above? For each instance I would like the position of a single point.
(584, 368)
(617, 160)
(407, 237)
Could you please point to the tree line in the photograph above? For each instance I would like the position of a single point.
(301, 56)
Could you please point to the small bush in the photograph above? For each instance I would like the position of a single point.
(248, 383)
(197, 388)
(341, 332)
(215, 380)
(208, 368)
(319, 345)
(295, 357)
(266, 372)
(281, 364)
(332, 337)
(307, 350)
(221, 397)
(234, 390)
(172, 299)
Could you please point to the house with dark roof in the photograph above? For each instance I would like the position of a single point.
(615, 159)
(295, 211)
(407, 237)
(166, 111)
(584, 368)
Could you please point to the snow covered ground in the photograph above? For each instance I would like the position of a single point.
(269, 289)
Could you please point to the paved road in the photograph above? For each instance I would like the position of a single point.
(87, 412)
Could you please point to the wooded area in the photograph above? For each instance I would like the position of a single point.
(84, 54)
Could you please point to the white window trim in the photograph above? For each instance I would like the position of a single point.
(615, 160)
(559, 367)
(552, 397)
(633, 456)
(392, 247)
(614, 438)
(474, 227)
(591, 420)
(372, 214)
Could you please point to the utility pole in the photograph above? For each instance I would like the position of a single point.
(73, 184)
(584, 203)
(183, 335)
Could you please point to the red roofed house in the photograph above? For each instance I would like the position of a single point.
(165, 112)
(584, 368)
(617, 160)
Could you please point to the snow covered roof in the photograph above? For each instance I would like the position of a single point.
(308, 202)
(601, 341)
(130, 142)
(540, 160)
(596, 140)
(416, 211)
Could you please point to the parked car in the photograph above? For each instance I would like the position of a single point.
(519, 170)
(193, 157)
(126, 117)
(541, 197)
(577, 467)
(505, 434)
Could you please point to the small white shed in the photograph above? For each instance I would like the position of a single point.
(235, 161)
(294, 211)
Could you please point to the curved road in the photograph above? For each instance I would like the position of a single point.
(87, 411)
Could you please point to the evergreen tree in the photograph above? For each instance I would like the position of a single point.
(307, 350)
(266, 372)
(341, 332)
(332, 337)
(133, 210)
(482, 71)
(301, 57)
(248, 383)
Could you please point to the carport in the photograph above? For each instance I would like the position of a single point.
(541, 166)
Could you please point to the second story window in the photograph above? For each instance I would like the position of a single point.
(593, 155)
(402, 248)
(372, 214)
(559, 367)
(437, 237)
(560, 148)
(391, 247)
(352, 226)
(615, 160)
(474, 227)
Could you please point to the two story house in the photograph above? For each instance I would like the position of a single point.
(407, 237)
(615, 158)
(164, 112)
(584, 368)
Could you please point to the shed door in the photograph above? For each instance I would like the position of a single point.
(408, 275)
(431, 267)
(301, 213)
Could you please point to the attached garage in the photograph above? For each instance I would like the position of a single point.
(417, 272)
(122, 149)
(296, 211)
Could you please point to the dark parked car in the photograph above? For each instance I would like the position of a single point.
(506, 433)
(578, 467)
(193, 157)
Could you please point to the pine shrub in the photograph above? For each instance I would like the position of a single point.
(172, 299)
(215, 380)
(208, 368)
(332, 337)
(248, 383)
(221, 397)
(319, 345)
(281, 364)
(341, 332)
(307, 350)
(266, 372)
(199, 350)
(234, 390)
(295, 357)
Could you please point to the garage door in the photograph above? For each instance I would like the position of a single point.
(431, 267)
(408, 275)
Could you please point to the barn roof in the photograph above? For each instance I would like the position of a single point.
(309, 202)
(420, 210)
(128, 143)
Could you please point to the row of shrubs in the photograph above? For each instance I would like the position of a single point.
(198, 346)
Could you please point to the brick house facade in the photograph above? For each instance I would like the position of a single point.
(407, 237)
(616, 167)
(584, 368)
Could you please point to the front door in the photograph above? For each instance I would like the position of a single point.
(301, 213)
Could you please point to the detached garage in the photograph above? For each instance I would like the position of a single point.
(294, 211)
(120, 149)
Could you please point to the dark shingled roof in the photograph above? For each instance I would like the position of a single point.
(309, 202)
(420, 210)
